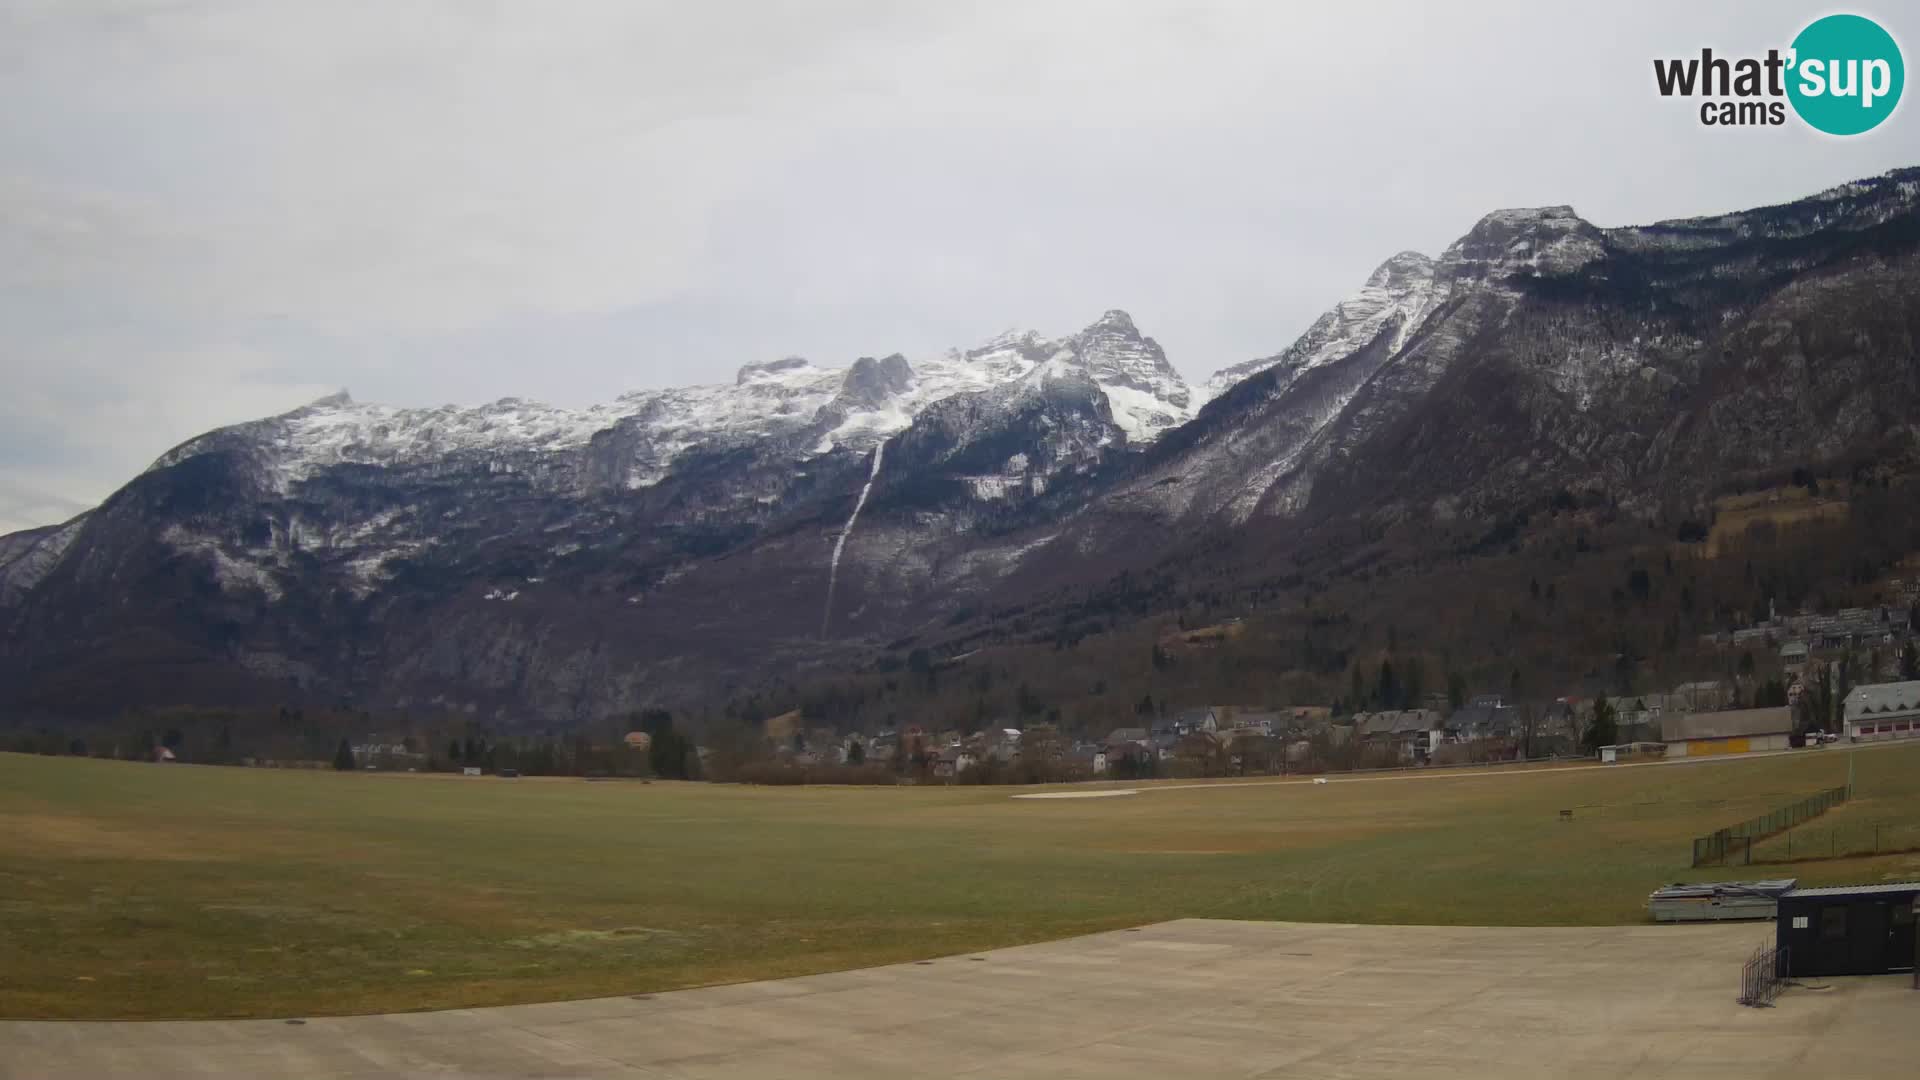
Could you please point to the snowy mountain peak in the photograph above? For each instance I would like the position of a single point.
(788, 403)
(1396, 297)
(879, 378)
(1557, 216)
(1021, 343)
(1404, 290)
(1145, 392)
(872, 384)
(1114, 343)
(1401, 270)
(1527, 241)
(768, 369)
(1400, 293)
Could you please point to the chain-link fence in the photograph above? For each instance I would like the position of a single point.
(1838, 841)
(1735, 842)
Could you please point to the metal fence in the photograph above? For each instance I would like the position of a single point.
(1737, 840)
(1762, 976)
(1848, 839)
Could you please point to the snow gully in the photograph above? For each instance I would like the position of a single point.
(840, 545)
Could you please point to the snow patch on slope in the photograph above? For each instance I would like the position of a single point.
(834, 409)
(233, 574)
(27, 557)
(1402, 289)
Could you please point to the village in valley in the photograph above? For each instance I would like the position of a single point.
(1853, 675)
(1786, 681)
(1800, 680)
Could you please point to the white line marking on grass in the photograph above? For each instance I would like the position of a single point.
(1078, 794)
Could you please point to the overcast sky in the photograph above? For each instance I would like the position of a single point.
(214, 211)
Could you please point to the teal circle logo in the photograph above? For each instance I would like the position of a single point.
(1846, 76)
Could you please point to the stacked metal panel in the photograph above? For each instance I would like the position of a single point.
(1710, 901)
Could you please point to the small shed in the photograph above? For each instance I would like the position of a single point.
(1848, 929)
(1627, 750)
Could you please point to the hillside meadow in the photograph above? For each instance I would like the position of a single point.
(130, 890)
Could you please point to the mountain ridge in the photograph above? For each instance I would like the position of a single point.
(513, 559)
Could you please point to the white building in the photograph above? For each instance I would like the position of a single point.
(1883, 711)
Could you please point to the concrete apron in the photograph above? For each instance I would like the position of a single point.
(1193, 998)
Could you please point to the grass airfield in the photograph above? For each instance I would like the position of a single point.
(141, 891)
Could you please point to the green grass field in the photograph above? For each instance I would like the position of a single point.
(142, 891)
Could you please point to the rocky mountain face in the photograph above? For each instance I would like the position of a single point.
(1540, 353)
(530, 564)
(516, 555)
(1394, 300)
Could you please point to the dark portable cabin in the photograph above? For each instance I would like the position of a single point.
(1848, 930)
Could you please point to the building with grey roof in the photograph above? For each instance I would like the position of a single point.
(1882, 711)
(1732, 731)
